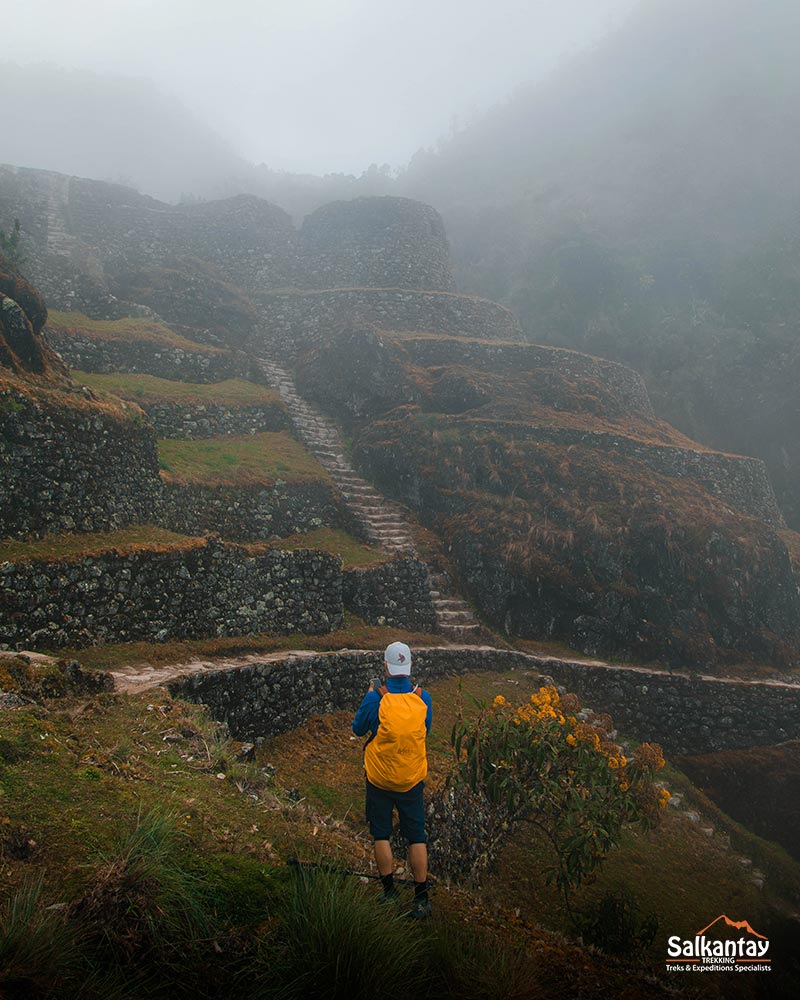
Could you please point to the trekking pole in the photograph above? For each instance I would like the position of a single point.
(317, 866)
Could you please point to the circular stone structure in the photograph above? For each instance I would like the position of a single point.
(375, 243)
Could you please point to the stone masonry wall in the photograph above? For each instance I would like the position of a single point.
(193, 421)
(685, 715)
(95, 227)
(252, 512)
(141, 357)
(294, 321)
(374, 243)
(200, 589)
(396, 594)
(72, 467)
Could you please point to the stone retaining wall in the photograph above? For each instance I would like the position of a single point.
(253, 512)
(141, 357)
(193, 421)
(203, 588)
(626, 384)
(295, 321)
(396, 594)
(685, 715)
(72, 466)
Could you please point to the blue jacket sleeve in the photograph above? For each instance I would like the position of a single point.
(429, 716)
(366, 720)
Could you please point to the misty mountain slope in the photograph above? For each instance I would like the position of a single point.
(683, 106)
(111, 128)
(644, 206)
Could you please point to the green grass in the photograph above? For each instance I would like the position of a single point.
(353, 552)
(69, 547)
(259, 458)
(125, 330)
(148, 390)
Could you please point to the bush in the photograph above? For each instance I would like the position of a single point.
(568, 778)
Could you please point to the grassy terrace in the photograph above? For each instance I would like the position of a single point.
(147, 390)
(353, 553)
(71, 547)
(238, 460)
(60, 395)
(126, 330)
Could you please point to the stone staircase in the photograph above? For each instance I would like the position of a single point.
(59, 241)
(384, 522)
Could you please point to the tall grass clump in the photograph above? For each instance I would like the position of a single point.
(333, 939)
(143, 912)
(38, 948)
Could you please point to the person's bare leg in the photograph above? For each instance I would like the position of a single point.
(417, 859)
(383, 857)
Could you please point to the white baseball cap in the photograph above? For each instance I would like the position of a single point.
(398, 659)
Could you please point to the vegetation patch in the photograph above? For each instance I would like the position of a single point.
(16, 393)
(353, 552)
(148, 390)
(233, 460)
(73, 548)
(123, 331)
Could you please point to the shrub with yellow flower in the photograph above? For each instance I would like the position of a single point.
(541, 764)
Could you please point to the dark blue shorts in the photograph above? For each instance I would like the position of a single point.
(410, 808)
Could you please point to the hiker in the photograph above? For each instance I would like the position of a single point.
(398, 717)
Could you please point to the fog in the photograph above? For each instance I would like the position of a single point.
(314, 86)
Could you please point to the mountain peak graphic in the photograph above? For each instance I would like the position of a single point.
(738, 925)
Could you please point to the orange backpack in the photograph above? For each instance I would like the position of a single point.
(395, 759)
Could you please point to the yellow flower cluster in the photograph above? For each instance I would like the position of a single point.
(650, 755)
(616, 762)
(663, 798)
(544, 705)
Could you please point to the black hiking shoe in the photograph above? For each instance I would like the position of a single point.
(421, 908)
(389, 896)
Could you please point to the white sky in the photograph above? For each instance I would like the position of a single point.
(316, 85)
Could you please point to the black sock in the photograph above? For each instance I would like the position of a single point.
(387, 881)
(421, 890)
